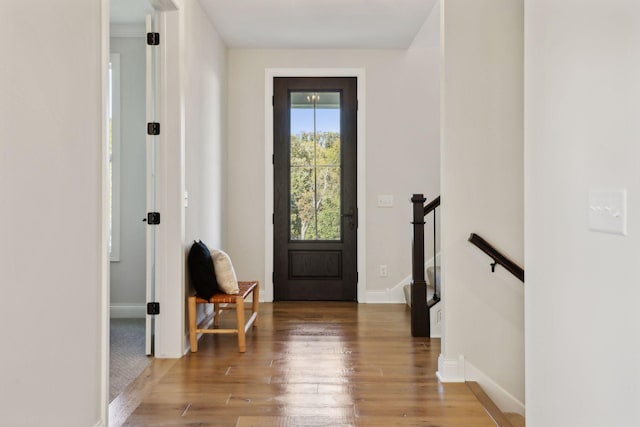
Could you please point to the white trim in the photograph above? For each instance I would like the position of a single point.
(164, 5)
(128, 30)
(152, 94)
(451, 370)
(116, 144)
(104, 246)
(455, 370)
(269, 74)
(170, 254)
(127, 311)
(393, 295)
(501, 397)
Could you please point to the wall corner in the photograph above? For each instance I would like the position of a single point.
(451, 370)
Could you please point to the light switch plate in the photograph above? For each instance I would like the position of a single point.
(385, 201)
(608, 211)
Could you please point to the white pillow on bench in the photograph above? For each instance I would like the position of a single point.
(225, 274)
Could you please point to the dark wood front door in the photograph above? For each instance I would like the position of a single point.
(316, 217)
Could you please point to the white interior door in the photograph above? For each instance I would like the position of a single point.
(152, 140)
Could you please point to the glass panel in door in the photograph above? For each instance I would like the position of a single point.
(315, 166)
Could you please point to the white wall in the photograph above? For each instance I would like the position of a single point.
(582, 131)
(206, 101)
(482, 192)
(52, 251)
(128, 274)
(402, 150)
(205, 129)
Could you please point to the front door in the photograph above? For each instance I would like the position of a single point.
(316, 217)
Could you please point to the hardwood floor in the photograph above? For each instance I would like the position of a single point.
(310, 364)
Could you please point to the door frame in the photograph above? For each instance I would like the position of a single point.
(170, 279)
(269, 74)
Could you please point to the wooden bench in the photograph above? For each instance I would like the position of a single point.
(246, 289)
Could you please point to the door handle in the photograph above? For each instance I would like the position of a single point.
(351, 213)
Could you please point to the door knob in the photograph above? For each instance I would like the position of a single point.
(351, 213)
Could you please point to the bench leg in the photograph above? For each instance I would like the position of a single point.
(216, 314)
(256, 303)
(193, 335)
(242, 347)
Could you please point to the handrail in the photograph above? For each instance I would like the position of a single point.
(498, 257)
(432, 206)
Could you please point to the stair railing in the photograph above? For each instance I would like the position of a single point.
(420, 318)
(497, 256)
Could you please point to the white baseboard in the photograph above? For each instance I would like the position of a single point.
(456, 370)
(126, 311)
(393, 295)
(501, 397)
(451, 370)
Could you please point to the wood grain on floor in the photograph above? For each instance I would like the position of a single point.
(312, 364)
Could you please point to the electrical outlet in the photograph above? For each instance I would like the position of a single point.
(383, 271)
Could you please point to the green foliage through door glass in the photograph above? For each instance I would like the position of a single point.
(315, 186)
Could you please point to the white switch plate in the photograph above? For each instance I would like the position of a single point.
(385, 200)
(608, 211)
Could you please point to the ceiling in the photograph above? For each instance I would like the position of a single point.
(304, 24)
(286, 24)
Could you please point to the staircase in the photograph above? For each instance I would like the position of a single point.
(433, 281)
(423, 297)
(433, 278)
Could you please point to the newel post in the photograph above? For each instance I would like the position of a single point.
(420, 321)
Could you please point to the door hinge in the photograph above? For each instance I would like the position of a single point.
(153, 218)
(153, 39)
(357, 277)
(273, 219)
(273, 277)
(273, 159)
(153, 308)
(273, 101)
(153, 128)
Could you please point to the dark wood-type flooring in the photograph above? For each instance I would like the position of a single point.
(307, 364)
